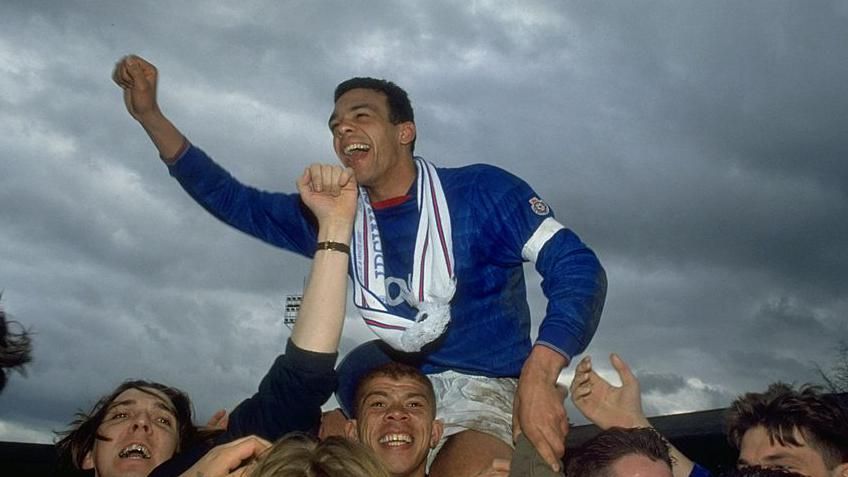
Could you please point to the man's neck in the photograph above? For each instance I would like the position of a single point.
(396, 185)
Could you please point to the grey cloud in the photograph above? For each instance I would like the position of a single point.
(660, 383)
(770, 366)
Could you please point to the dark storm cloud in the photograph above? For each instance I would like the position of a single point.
(741, 116)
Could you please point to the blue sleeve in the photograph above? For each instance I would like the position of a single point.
(575, 284)
(573, 280)
(278, 219)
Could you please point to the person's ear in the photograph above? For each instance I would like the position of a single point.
(351, 432)
(88, 461)
(436, 432)
(841, 470)
(407, 133)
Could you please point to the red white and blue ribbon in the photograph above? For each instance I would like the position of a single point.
(430, 284)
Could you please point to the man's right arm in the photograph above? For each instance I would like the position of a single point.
(278, 219)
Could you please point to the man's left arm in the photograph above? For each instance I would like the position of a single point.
(523, 228)
(574, 283)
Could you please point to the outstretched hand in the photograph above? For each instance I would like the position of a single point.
(617, 406)
(604, 404)
(329, 191)
(138, 78)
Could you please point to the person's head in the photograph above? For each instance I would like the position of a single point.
(300, 455)
(129, 432)
(618, 452)
(395, 416)
(400, 108)
(373, 127)
(15, 347)
(801, 430)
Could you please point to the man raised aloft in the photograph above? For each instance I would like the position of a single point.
(436, 262)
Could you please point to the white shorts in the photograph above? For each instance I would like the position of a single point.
(478, 403)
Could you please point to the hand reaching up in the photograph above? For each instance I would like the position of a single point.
(604, 404)
(617, 406)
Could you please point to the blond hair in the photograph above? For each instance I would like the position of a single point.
(300, 455)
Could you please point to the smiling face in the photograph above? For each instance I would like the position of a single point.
(365, 140)
(757, 448)
(139, 432)
(395, 418)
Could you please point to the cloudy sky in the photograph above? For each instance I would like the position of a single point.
(699, 147)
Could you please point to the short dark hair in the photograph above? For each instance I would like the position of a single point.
(394, 370)
(820, 418)
(597, 455)
(759, 471)
(15, 347)
(400, 108)
(79, 440)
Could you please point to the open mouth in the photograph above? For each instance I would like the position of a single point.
(134, 451)
(395, 440)
(350, 149)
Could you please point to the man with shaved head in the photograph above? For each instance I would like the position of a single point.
(395, 416)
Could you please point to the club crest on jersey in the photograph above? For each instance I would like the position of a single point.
(539, 206)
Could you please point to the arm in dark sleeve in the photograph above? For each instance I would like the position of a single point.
(278, 219)
(289, 399)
